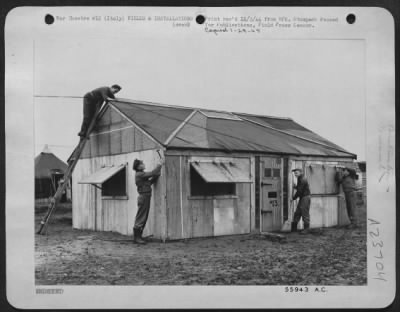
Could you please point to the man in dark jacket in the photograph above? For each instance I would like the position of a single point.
(347, 177)
(92, 102)
(303, 207)
(143, 180)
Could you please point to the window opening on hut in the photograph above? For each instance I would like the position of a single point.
(110, 179)
(200, 187)
(213, 178)
(268, 172)
(276, 172)
(272, 172)
(116, 185)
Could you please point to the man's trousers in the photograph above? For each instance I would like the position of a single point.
(351, 205)
(303, 211)
(142, 214)
(90, 108)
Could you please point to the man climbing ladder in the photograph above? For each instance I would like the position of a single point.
(92, 102)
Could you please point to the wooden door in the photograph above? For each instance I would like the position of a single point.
(271, 193)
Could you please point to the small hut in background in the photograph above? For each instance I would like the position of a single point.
(49, 172)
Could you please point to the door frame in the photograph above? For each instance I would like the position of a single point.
(261, 188)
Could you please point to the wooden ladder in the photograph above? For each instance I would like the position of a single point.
(67, 175)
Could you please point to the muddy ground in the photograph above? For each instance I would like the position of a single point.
(329, 256)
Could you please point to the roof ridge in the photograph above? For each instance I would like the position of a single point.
(193, 108)
(149, 103)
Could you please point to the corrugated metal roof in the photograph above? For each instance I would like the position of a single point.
(102, 175)
(219, 172)
(252, 133)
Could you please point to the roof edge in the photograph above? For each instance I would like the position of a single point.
(192, 108)
(171, 148)
(267, 116)
(149, 103)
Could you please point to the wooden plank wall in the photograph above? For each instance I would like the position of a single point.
(114, 135)
(173, 200)
(324, 210)
(285, 188)
(90, 211)
(257, 194)
(202, 217)
(194, 217)
(243, 208)
(253, 227)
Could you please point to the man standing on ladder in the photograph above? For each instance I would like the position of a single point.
(92, 102)
(303, 207)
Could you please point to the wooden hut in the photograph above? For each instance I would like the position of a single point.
(225, 173)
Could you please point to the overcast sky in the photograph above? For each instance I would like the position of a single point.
(318, 83)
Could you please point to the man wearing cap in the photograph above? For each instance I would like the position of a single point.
(92, 103)
(347, 177)
(143, 180)
(303, 207)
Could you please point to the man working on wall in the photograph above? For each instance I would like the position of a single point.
(303, 207)
(347, 177)
(143, 180)
(92, 102)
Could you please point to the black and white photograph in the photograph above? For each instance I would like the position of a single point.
(200, 150)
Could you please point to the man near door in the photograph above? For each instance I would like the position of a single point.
(303, 207)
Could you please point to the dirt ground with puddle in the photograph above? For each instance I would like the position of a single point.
(328, 256)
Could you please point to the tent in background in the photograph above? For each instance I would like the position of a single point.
(49, 170)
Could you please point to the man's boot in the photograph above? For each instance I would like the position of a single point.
(306, 229)
(137, 237)
(294, 227)
(141, 236)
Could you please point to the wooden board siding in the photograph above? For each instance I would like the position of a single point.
(202, 218)
(173, 200)
(329, 209)
(114, 135)
(285, 189)
(257, 188)
(252, 215)
(321, 177)
(186, 211)
(194, 216)
(323, 211)
(92, 212)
